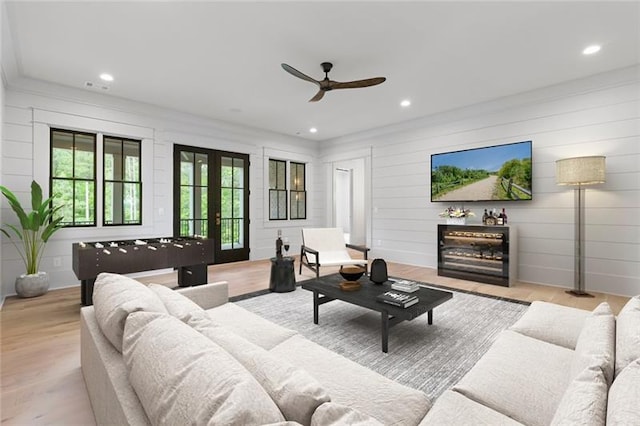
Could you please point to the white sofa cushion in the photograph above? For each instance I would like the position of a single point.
(454, 409)
(176, 304)
(624, 397)
(355, 386)
(560, 325)
(252, 327)
(628, 334)
(596, 343)
(332, 414)
(181, 377)
(115, 297)
(520, 377)
(294, 391)
(585, 401)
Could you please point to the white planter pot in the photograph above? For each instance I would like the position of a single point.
(456, 221)
(32, 285)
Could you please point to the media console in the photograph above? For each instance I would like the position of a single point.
(190, 255)
(478, 253)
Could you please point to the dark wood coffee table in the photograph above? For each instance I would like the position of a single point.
(327, 288)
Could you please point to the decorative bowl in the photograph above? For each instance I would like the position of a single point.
(351, 273)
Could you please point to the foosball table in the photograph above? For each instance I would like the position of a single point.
(190, 255)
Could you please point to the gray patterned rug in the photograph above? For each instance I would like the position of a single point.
(429, 358)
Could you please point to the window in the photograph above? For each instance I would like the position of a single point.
(73, 176)
(122, 198)
(277, 190)
(298, 195)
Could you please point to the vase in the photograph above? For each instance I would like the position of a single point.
(456, 221)
(32, 285)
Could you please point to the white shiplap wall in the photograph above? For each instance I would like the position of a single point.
(24, 159)
(599, 115)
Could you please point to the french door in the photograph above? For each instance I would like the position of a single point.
(211, 198)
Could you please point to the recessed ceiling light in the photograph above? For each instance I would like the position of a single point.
(313, 130)
(590, 50)
(405, 103)
(106, 77)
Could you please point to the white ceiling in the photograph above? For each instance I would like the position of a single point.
(222, 59)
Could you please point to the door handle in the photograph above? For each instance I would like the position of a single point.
(218, 219)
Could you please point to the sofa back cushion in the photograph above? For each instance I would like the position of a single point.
(294, 391)
(585, 400)
(628, 334)
(175, 303)
(624, 397)
(181, 377)
(560, 325)
(115, 297)
(596, 343)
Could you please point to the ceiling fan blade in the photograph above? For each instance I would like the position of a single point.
(291, 70)
(358, 83)
(318, 96)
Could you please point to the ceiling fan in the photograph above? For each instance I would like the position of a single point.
(326, 84)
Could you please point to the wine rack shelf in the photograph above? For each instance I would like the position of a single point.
(478, 253)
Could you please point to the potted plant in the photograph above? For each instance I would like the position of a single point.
(36, 227)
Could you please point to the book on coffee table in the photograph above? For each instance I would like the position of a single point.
(397, 298)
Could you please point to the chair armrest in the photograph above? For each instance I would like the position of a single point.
(363, 249)
(207, 296)
(306, 249)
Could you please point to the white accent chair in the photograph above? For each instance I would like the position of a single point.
(326, 247)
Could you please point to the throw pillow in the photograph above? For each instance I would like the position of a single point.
(624, 397)
(294, 391)
(175, 303)
(181, 377)
(596, 343)
(628, 334)
(585, 400)
(114, 298)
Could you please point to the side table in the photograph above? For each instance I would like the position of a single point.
(283, 278)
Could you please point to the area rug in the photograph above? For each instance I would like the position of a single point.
(431, 358)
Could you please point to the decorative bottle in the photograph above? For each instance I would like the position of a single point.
(504, 216)
(484, 217)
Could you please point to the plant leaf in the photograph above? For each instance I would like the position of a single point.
(16, 206)
(51, 228)
(36, 195)
(16, 230)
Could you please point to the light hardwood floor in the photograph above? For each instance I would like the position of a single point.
(41, 380)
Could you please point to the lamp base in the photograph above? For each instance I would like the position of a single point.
(579, 293)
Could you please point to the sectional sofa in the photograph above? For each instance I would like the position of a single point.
(151, 355)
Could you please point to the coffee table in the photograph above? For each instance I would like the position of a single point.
(327, 288)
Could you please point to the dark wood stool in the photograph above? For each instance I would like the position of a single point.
(283, 277)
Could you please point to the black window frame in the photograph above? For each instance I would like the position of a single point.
(123, 181)
(279, 191)
(72, 223)
(299, 189)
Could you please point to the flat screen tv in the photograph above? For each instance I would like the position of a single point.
(492, 173)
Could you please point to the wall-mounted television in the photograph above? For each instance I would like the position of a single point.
(492, 173)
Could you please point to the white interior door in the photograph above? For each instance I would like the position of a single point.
(349, 199)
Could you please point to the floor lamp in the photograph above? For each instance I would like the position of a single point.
(579, 171)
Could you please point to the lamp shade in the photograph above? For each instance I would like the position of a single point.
(580, 170)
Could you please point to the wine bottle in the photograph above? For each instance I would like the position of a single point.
(504, 216)
(484, 217)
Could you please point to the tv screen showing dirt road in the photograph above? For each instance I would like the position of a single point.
(493, 173)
